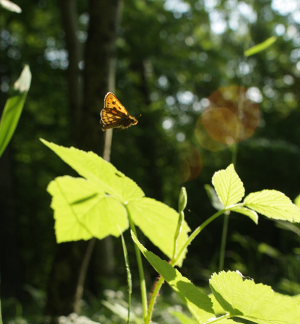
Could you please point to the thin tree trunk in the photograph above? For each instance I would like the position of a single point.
(99, 77)
(72, 259)
(69, 16)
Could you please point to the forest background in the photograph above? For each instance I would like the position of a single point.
(173, 64)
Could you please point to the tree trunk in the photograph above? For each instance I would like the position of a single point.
(99, 55)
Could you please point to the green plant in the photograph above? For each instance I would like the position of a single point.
(105, 202)
(13, 108)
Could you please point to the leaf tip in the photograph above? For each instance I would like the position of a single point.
(24, 81)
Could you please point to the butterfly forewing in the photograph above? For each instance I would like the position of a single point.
(114, 114)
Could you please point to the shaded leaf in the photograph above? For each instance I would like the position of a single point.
(297, 201)
(245, 211)
(196, 300)
(214, 199)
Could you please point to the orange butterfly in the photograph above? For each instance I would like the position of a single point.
(114, 114)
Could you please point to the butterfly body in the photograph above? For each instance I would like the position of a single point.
(114, 114)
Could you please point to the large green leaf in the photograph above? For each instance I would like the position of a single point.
(196, 300)
(102, 173)
(273, 204)
(257, 303)
(228, 186)
(95, 206)
(82, 211)
(13, 108)
(158, 222)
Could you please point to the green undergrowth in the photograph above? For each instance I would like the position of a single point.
(102, 201)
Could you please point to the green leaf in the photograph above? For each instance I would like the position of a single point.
(297, 201)
(158, 222)
(257, 303)
(213, 197)
(102, 173)
(11, 6)
(261, 46)
(196, 300)
(228, 186)
(13, 108)
(245, 211)
(268, 250)
(183, 318)
(273, 204)
(81, 211)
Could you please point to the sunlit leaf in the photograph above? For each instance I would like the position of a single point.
(183, 318)
(13, 108)
(96, 206)
(257, 303)
(273, 204)
(158, 222)
(261, 46)
(102, 173)
(228, 186)
(81, 211)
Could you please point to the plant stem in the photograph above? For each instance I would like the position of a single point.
(153, 298)
(223, 242)
(129, 280)
(140, 268)
(173, 262)
(197, 231)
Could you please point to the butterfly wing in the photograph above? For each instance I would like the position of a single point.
(114, 114)
(112, 102)
(111, 118)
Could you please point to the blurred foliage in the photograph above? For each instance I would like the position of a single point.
(173, 57)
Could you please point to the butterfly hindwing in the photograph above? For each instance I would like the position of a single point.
(114, 114)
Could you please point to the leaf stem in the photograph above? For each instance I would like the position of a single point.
(223, 242)
(220, 318)
(153, 298)
(140, 268)
(177, 232)
(129, 280)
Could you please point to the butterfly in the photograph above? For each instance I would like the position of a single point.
(114, 114)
